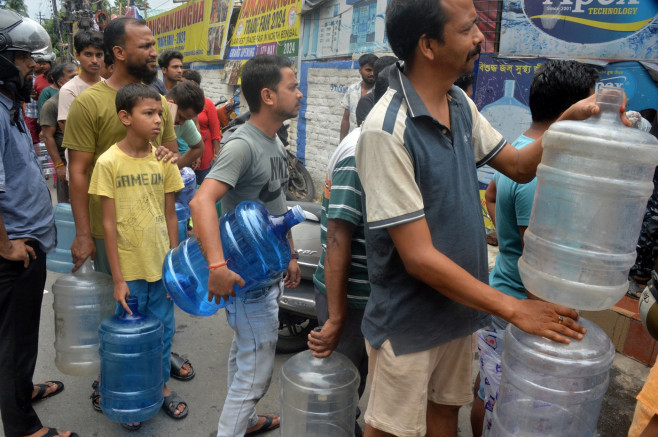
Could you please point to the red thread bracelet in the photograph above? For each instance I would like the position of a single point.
(216, 266)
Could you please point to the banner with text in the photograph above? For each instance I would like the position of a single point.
(266, 27)
(596, 29)
(197, 29)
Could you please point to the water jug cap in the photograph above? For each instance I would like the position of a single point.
(86, 268)
(609, 99)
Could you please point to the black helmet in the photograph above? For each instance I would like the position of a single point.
(23, 34)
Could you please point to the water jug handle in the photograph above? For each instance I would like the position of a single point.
(86, 268)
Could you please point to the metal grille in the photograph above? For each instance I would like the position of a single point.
(489, 12)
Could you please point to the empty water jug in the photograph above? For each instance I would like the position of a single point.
(255, 247)
(183, 217)
(188, 191)
(318, 396)
(80, 302)
(61, 261)
(549, 388)
(131, 365)
(593, 184)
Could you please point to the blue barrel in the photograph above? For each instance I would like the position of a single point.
(131, 365)
(183, 217)
(255, 246)
(61, 261)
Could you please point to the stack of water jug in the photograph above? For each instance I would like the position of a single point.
(593, 184)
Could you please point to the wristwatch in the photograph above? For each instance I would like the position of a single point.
(294, 255)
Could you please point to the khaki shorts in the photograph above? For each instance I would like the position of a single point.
(400, 386)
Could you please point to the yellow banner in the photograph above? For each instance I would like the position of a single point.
(266, 27)
(197, 29)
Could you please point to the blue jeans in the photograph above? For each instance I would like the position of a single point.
(152, 300)
(254, 318)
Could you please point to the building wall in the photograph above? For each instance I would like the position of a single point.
(211, 82)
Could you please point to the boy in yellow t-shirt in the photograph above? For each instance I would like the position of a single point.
(139, 218)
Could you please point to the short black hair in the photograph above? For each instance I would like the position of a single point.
(108, 59)
(165, 58)
(86, 38)
(57, 72)
(465, 80)
(261, 71)
(115, 32)
(130, 95)
(381, 84)
(188, 95)
(557, 85)
(367, 59)
(408, 20)
(192, 75)
(382, 63)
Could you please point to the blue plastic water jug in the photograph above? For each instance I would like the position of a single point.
(131, 365)
(189, 180)
(61, 261)
(183, 216)
(255, 247)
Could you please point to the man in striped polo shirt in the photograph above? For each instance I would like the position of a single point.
(425, 238)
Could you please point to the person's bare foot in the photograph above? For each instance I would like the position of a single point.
(43, 431)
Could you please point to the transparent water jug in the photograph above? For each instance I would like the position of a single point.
(318, 396)
(61, 261)
(593, 184)
(549, 388)
(183, 216)
(255, 246)
(131, 365)
(80, 302)
(189, 180)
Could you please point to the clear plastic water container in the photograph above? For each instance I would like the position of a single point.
(131, 365)
(318, 396)
(188, 191)
(80, 302)
(549, 388)
(45, 162)
(255, 247)
(593, 184)
(183, 217)
(61, 260)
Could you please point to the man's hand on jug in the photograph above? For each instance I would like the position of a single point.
(82, 248)
(220, 283)
(585, 108)
(555, 322)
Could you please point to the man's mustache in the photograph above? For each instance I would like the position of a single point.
(473, 53)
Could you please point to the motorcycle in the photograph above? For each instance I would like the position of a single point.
(300, 182)
(297, 317)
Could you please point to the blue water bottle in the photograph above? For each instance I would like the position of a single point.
(188, 191)
(131, 365)
(183, 216)
(255, 246)
(61, 260)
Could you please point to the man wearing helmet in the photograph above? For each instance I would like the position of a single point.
(27, 231)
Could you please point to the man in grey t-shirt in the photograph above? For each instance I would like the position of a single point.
(250, 166)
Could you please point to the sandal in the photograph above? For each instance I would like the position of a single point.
(96, 396)
(177, 363)
(171, 403)
(131, 427)
(43, 388)
(52, 432)
(265, 427)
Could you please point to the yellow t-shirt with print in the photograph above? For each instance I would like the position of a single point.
(138, 187)
(93, 126)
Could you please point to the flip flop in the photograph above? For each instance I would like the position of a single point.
(131, 427)
(265, 427)
(52, 432)
(171, 403)
(43, 387)
(177, 363)
(96, 396)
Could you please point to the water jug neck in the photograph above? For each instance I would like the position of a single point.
(86, 268)
(609, 99)
(281, 224)
(509, 88)
(133, 305)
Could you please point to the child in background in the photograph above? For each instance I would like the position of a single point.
(139, 218)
